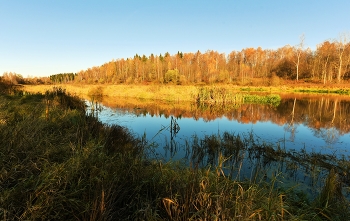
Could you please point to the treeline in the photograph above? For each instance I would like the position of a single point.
(12, 78)
(15, 78)
(329, 63)
(62, 77)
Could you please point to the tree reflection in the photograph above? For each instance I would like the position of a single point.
(316, 112)
(330, 135)
(171, 146)
(332, 123)
(290, 126)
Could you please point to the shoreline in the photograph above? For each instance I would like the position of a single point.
(176, 93)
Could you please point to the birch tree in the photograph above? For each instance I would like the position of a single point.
(298, 52)
(341, 44)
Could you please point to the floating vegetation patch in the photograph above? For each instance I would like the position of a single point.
(222, 96)
(248, 89)
(272, 99)
(325, 91)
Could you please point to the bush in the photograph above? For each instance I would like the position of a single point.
(171, 76)
(274, 80)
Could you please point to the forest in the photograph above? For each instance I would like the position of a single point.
(329, 63)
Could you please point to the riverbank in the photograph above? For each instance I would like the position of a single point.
(177, 93)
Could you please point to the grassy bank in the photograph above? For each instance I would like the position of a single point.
(214, 94)
(180, 93)
(59, 164)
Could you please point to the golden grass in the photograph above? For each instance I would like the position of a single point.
(153, 92)
(172, 93)
(78, 90)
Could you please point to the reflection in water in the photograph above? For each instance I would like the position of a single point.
(315, 116)
(174, 129)
(318, 112)
(308, 135)
(290, 126)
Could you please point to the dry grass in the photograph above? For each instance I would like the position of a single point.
(179, 93)
(168, 93)
(78, 90)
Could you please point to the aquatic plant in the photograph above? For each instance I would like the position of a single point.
(271, 99)
(324, 91)
(228, 154)
(249, 89)
(220, 95)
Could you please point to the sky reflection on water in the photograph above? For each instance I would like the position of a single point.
(296, 134)
(155, 129)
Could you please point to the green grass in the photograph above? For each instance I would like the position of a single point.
(57, 163)
(250, 89)
(223, 96)
(324, 91)
(271, 99)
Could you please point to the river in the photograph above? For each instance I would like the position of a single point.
(317, 123)
(312, 124)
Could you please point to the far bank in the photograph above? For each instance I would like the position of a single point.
(179, 92)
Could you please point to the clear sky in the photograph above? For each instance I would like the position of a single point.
(46, 37)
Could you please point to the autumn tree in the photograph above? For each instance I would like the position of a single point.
(232, 65)
(13, 78)
(331, 60)
(324, 58)
(298, 51)
(284, 67)
(341, 45)
(188, 66)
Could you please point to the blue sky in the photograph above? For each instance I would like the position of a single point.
(46, 37)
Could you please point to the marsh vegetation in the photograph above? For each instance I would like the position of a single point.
(220, 95)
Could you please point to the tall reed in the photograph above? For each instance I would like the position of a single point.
(221, 95)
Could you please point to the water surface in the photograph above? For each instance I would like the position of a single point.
(307, 126)
(315, 123)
